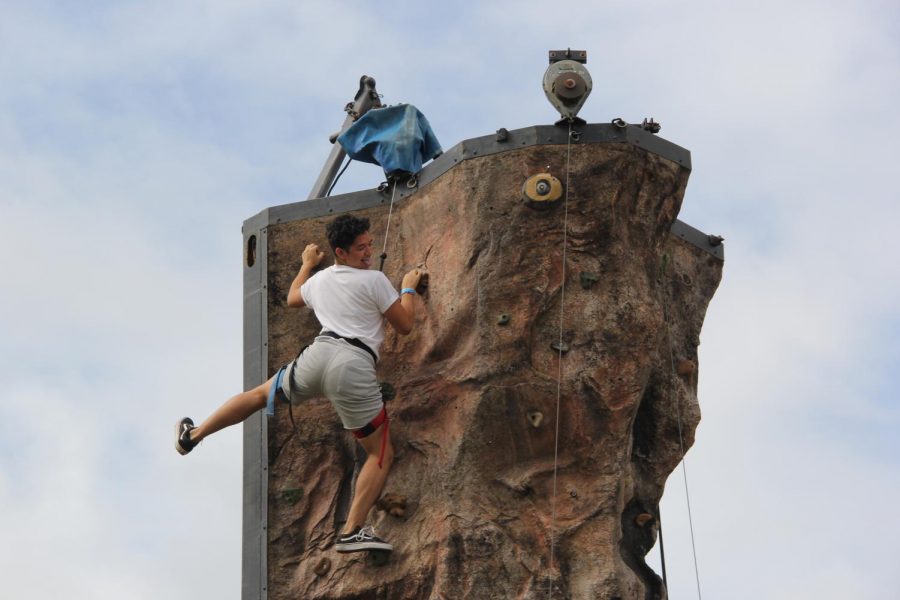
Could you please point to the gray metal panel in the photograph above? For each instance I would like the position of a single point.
(705, 242)
(254, 579)
(640, 137)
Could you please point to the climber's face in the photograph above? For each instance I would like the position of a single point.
(358, 254)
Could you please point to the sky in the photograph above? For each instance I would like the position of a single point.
(136, 137)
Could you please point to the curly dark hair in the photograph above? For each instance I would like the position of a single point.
(343, 230)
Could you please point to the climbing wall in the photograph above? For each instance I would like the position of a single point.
(508, 335)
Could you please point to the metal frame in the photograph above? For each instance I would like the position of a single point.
(366, 98)
(254, 566)
(254, 581)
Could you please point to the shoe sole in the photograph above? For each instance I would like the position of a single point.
(363, 546)
(178, 447)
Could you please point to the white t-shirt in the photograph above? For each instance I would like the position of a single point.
(351, 302)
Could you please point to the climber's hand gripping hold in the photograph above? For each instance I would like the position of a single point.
(402, 314)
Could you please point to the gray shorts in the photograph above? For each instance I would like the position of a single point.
(342, 373)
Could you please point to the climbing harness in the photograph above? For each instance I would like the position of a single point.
(681, 443)
(276, 391)
(372, 427)
(353, 342)
(560, 346)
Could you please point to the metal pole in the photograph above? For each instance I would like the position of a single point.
(365, 99)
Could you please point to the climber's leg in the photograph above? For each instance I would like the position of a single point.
(235, 410)
(371, 477)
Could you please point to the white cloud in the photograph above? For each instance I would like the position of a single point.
(135, 138)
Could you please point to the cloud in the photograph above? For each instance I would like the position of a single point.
(135, 138)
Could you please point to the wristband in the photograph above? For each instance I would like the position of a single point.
(407, 291)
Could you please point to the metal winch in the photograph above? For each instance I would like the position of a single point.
(567, 82)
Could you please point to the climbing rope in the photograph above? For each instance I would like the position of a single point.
(387, 228)
(562, 303)
(681, 443)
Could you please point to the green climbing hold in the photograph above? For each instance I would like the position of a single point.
(292, 495)
(588, 279)
(387, 391)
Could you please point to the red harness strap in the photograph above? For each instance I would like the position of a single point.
(372, 427)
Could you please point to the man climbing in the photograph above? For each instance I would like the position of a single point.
(351, 303)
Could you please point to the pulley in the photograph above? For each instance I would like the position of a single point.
(567, 82)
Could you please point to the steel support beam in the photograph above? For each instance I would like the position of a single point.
(365, 99)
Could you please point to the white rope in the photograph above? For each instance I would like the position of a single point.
(562, 302)
(681, 443)
(387, 228)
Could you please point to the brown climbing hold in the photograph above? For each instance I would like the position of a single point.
(542, 191)
(642, 519)
(322, 567)
(393, 504)
(535, 417)
(686, 367)
(560, 347)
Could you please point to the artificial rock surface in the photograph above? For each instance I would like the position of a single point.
(469, 503)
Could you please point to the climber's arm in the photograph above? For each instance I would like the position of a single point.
(402, 313)
(312, 256)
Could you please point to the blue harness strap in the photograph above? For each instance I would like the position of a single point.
(275, 389)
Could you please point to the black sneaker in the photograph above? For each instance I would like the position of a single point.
(183, 441)
(361, 539)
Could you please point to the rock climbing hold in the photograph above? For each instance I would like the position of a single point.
(560, 347)
(542, 190)
(502, 134)
(588, 279)
(378, 558)
(523, 489)
(642, 519)
(387, 391)
(503, 319)
(423, 284)
(322, 567)
(393, 504)
(292, 495)
(686, 367)
(573, 493)
(663, 267)
(535, 417)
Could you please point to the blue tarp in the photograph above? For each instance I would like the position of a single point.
(398, 138)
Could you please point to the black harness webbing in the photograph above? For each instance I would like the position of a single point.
(353, 342)
(363, 432)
